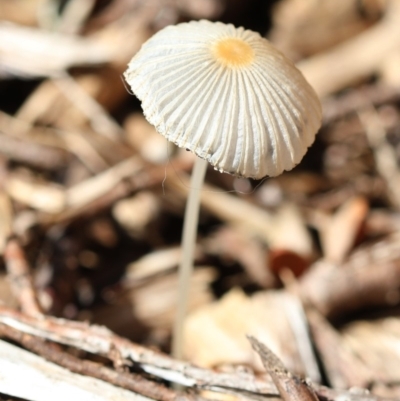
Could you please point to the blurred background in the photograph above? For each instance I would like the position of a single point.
(308, 261)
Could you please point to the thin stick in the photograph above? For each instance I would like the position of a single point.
(19, 274)
(130, 381)
(188, 245)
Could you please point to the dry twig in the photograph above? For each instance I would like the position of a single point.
(30, 377)
(20, 278)
(32, 52)
(291, 387)
(130, 381)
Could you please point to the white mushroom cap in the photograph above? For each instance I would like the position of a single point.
(227, 95)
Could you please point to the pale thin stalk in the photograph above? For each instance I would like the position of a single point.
(189, 235)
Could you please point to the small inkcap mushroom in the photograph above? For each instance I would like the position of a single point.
(230, 97)
(227, 95)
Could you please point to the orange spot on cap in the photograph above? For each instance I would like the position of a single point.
(233, 52)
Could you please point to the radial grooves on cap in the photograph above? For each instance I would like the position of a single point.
(255, 126)
(284, 151)
(266, 102)
(232, 146)
(236, 142)
(296, 103)
(191, 131)
(203, 116)
(260, 136)
(185, 100)
(279, 110)
(175, 78)
(224, 151)
(211, 104)
(187, 107)
(177, 108)
(212, 140)
(245, 152)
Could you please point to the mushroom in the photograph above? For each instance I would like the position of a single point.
(230, 97)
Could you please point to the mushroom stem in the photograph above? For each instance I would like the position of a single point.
(189, 235)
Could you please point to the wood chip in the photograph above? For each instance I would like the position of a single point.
(340, 232)
(216, 333)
